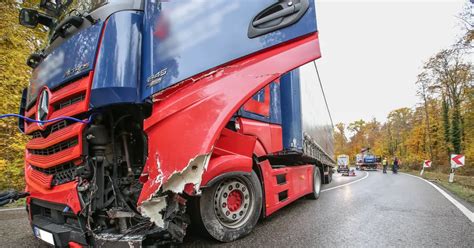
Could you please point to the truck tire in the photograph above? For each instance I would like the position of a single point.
(328, 177)
(316, 184)
(230, 209)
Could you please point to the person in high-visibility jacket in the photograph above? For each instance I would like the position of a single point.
(385, 165)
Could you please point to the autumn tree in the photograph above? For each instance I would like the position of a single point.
(340, 139)
(399, 122)
(423, 85)
(451, 75)
(444, 121)
(16, 43)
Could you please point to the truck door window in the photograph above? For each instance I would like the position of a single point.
(260, 96)
(259, 103)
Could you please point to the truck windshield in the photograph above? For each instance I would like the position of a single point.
(66, 8)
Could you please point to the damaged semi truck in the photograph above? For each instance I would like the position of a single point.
(150, 114)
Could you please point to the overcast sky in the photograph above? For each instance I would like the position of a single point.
(372, 52)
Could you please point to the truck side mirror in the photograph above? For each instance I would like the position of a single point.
(29, 18)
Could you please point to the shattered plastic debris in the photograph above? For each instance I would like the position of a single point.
(191, 174)
(152, 209)
(159, 178)
(105, 239)
(176, 182)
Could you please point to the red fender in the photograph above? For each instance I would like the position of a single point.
(187, 120)
(232, 153)
(259, 149)
(225, 164)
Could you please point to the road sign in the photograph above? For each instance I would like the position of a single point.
(457, 160)
(427, 164)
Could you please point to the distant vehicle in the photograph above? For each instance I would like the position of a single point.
(342, 163)
(366, 160)
(349, 173)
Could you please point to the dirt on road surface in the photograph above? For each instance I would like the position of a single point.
(376, 210)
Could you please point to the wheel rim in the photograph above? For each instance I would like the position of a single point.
(317, 182)
(233, 202)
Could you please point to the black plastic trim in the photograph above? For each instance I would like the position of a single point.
(288, 13)
(282, 196)
(281, 179)
(22, 110)
(225, 175)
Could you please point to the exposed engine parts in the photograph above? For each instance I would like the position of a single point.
(109, 184)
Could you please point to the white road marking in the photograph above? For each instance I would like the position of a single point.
(11, 209)
(464, 210)
(323, 190)
(342, 185)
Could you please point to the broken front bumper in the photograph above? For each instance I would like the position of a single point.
(57, 225)
(68, 236)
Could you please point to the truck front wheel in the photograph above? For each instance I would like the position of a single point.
(316, 184)
(230, 209)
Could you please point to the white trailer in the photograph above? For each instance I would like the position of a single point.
(343, 163)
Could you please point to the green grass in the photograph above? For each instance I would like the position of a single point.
(463, 192)
(463, 186)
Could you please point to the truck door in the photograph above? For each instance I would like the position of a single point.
(184, 38)
(261, 117)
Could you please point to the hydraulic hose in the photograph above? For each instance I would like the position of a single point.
(11, 196)
(48, 121)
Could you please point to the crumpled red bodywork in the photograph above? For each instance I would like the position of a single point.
(187, 119)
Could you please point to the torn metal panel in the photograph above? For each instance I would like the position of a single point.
(192, 174)
(186, 123)
(168, 213)
(188, 119)
(153, 209)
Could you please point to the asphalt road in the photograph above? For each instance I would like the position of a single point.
(376, 211)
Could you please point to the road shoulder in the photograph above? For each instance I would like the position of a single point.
(466, 211)
(467, 204)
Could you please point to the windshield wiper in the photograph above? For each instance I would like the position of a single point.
(63, 26)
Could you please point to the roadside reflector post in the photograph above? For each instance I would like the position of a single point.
(451, 176)
(457, 160)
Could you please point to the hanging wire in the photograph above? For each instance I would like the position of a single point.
(89, 120)
(324, 95)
